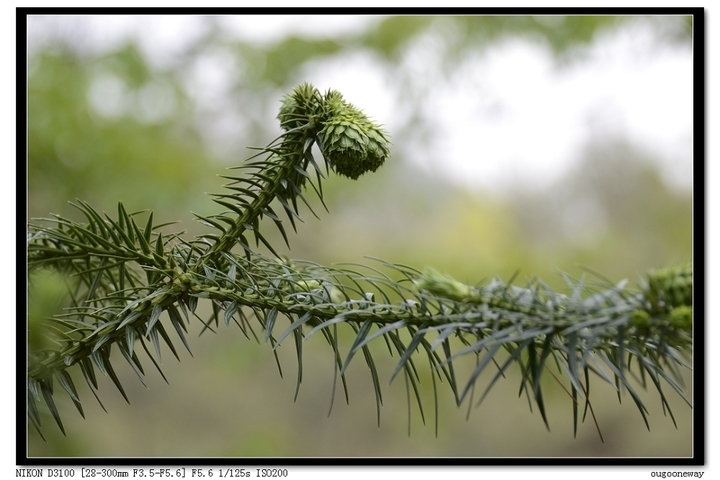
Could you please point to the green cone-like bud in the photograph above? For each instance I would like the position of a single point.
(443, 285)
(681, 317)
(669, 295)
(670, 287)
(640, 318)
(351, 142)
(300, 107)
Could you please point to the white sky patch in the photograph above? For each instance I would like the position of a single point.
(511, 114)
(506, 117)
(268, 29)
(653, 86)
(161, 37)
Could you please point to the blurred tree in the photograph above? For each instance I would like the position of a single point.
(612, 209)
(107, 129)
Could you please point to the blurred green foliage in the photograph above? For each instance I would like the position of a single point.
(114, 127)
(283, 60)
(74, 151)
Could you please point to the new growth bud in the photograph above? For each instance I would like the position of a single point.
(351, 142)
(443, 285)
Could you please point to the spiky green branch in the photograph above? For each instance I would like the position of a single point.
(125, 280)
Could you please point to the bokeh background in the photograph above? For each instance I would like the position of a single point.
(536, 144)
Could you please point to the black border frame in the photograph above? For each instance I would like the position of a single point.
(699, 248)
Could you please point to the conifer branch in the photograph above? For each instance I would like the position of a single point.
(125, 280)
